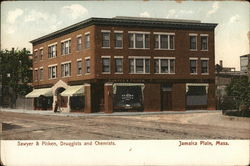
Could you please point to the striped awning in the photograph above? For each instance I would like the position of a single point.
(39, 92)
(77, 90)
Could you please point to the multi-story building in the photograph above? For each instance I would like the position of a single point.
(126, 63)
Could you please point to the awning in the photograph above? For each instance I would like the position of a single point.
(77, 90)
(38, 92)
(127, 84)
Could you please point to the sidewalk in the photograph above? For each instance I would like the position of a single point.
(72, 114)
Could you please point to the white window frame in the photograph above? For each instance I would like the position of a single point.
(66, 65)
(41, 78)
(118, 32)
(159, 40)
(196, 59)
(50, 73)
(87, 58)
(35, 74)
(64, 48)
(108, 32)
(77, 44)
(53, 53)
(205, 59)
(143, 40)
(106, 57)
(118, 57)
(78, 60)
(196, 40)
(159, 62)
(134, 58)
(41, 55)
(204, 35)
(86, 41)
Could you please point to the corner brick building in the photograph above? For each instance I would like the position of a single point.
(125, 64)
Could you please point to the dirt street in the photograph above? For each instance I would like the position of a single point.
(212, 125)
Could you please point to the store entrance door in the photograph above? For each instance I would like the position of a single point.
(166, 97)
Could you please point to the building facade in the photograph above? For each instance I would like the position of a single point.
(126, 64)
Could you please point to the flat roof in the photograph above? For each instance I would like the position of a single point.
(129, 22)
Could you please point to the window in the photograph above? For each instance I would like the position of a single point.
(79, 67)
(79, 43)
(139, 65)
(35, 75)
(52, 72)
(164, 66)
(106, 39)
(193, 66)
(139, 40)
(66, 47)
(204, 43)
(118, 40)
(118, 65)
(52, 51)
(35, 56)
(41, 54)
(41, 74)
(106, 65)
(87, 61)
(164, 41)
(87, 40)
(204, 66)
(66, 69)
(193, 42)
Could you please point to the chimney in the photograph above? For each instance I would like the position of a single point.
(221, 63)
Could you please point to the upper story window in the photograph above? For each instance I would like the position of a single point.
(204, 42)
(79, 67)
(79, 43)
(106, 64)
(52, 72)
(66, 69)
(35, 75)
(87, 40)
(35, 56)
(204, 66)
(118, 39)
(164, 40)
(87, 64)
(52, 51)
(193, 65)
(193, 41)
(66, 47)
(139, 40)
(164, 65)
(118, 65)
(41, 53)
(139, 65)
(41, 73)
(105, 39)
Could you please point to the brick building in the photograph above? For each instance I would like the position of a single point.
(126, 64)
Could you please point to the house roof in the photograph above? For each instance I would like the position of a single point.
(129, 22)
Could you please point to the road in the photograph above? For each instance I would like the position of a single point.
(214, 125)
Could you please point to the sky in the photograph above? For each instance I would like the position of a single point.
(24, 21)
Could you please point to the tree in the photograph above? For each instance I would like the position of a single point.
(16, 73)
(239, 88)
(218, 68)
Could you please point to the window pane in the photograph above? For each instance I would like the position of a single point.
(156, 66)
(139, 65)
(118, 65)
(193, 40)
(171, 41)
(156, 37)
(131, 66)
(105, 65)
(79, 67)
(193, 68)
(105, 39)
(164, 41)
(87, 41)
(164, 66)
(131, 40)
(147, 41)
(139, 40)
(204, 42)
(204, 66)
(172, 66)
(147, 65)
(118, 40)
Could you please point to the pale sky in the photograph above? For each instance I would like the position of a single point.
(24, 21)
